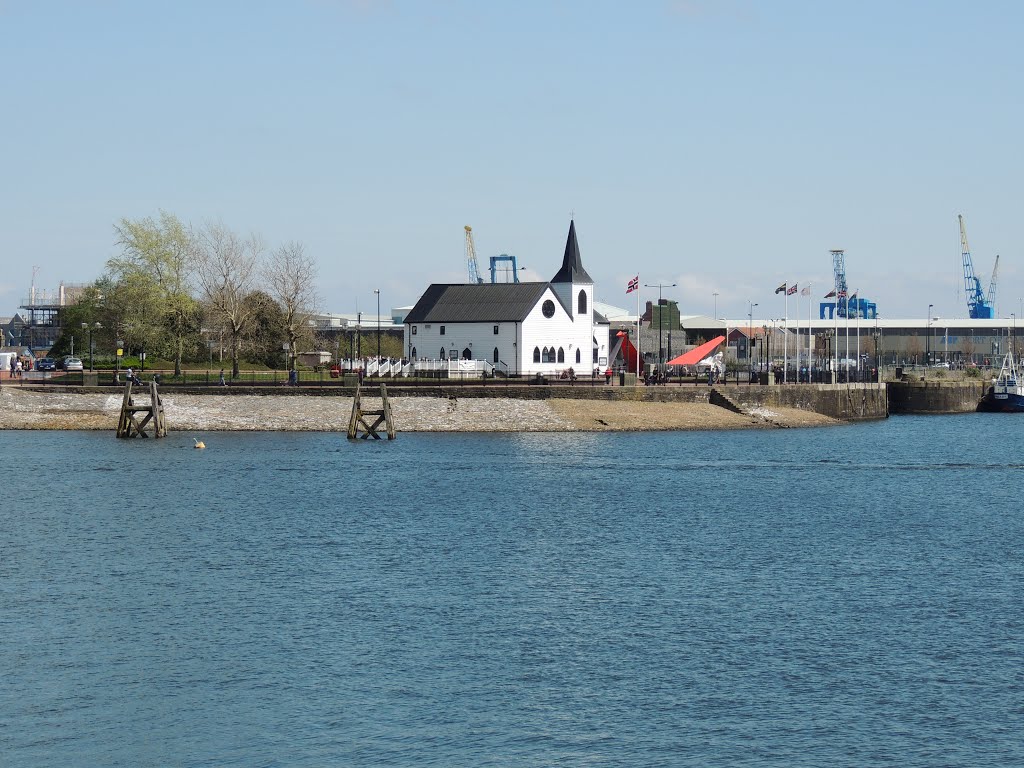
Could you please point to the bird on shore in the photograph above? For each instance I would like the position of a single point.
(198, 443)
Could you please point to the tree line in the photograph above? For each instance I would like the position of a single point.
(173, 291)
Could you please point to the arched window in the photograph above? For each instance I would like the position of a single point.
(561, 355)
(444, 355)
(536, 354)
(581, 308)
(495, 354)
(578, 358)
(412, 354)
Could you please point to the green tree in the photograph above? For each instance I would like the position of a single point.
(152, 285)
(267, 330)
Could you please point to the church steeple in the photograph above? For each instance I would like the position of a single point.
(572, 270)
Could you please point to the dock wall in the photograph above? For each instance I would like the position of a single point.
(936, 396)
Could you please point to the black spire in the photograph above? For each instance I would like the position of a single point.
(572, 270)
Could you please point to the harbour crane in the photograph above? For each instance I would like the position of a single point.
(991, 295)
(979, 306)
(474, 269)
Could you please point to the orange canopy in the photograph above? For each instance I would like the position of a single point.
(694, 356)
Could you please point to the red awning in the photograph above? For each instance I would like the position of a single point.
(694, 356)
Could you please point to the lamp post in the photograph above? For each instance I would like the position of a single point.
(715, 294)
(661, 315)
(750, 339)
(377, 291)
(877, 335)
(928, 340)
(90, 328)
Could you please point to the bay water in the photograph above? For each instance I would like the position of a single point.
(846, 596)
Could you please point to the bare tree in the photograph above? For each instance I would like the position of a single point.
(228, 268)
(291, 278)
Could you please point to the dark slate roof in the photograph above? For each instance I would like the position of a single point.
(572, 270)
(599, 318)
(481, 303)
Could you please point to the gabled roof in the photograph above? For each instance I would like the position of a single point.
(572, 270)
(481, 303)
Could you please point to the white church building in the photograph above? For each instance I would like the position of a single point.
(519, 328)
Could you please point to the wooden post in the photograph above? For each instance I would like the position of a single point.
(357, 422)
(128, 424)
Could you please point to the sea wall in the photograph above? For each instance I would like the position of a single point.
(853, 402)
(936, 396)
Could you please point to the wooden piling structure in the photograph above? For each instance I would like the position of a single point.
(152, 414)
(357, 422)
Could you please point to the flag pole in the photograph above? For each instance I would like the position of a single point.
(785, 334)
(858, 333)
(809, 334)
(638, 329)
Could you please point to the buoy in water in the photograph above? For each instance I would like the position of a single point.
(198, 443)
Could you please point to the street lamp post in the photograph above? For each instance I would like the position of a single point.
(715, 294)
(928, 340)
(750, 339)
(377, 291)
(90, 328)
(661, 315)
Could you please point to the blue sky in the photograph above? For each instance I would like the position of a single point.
(724, 146)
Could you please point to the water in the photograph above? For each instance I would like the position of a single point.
(844, 596)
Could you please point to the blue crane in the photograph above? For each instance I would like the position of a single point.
(979, 306)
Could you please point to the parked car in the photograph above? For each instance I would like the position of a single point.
(73, 364)
(46, 364)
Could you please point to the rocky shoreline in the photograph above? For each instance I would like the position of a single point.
(33, 409)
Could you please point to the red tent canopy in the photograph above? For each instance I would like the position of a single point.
(694, 356)
(628, 352)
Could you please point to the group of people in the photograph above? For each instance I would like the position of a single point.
(16, 368)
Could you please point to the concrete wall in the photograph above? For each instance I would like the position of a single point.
(936, 396)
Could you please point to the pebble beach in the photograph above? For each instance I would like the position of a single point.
(32, 409)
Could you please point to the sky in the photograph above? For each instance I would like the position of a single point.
(722, 146)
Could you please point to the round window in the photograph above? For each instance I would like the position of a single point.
(548, 308)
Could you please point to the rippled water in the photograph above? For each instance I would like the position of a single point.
(844, 596)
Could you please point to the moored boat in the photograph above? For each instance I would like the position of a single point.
(1007, 390)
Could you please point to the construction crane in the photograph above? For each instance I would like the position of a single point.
(991, 295)
(513, 270)
(979, 306)
(474, 269)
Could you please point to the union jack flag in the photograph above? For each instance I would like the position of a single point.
(633, 284)
(792, 290)
(841, 294)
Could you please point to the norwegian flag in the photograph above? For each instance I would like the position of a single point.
(633, 284)
(831, 294)
(792, 290)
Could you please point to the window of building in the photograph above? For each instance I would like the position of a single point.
(536, 354)
(442, 330)
(578, 357)
(414, 330)
(467, 354)
(495, 330)
(548, 308)
(561, 355)
(581, 308)
(495, 354)
(443, 355)
(412, 353)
